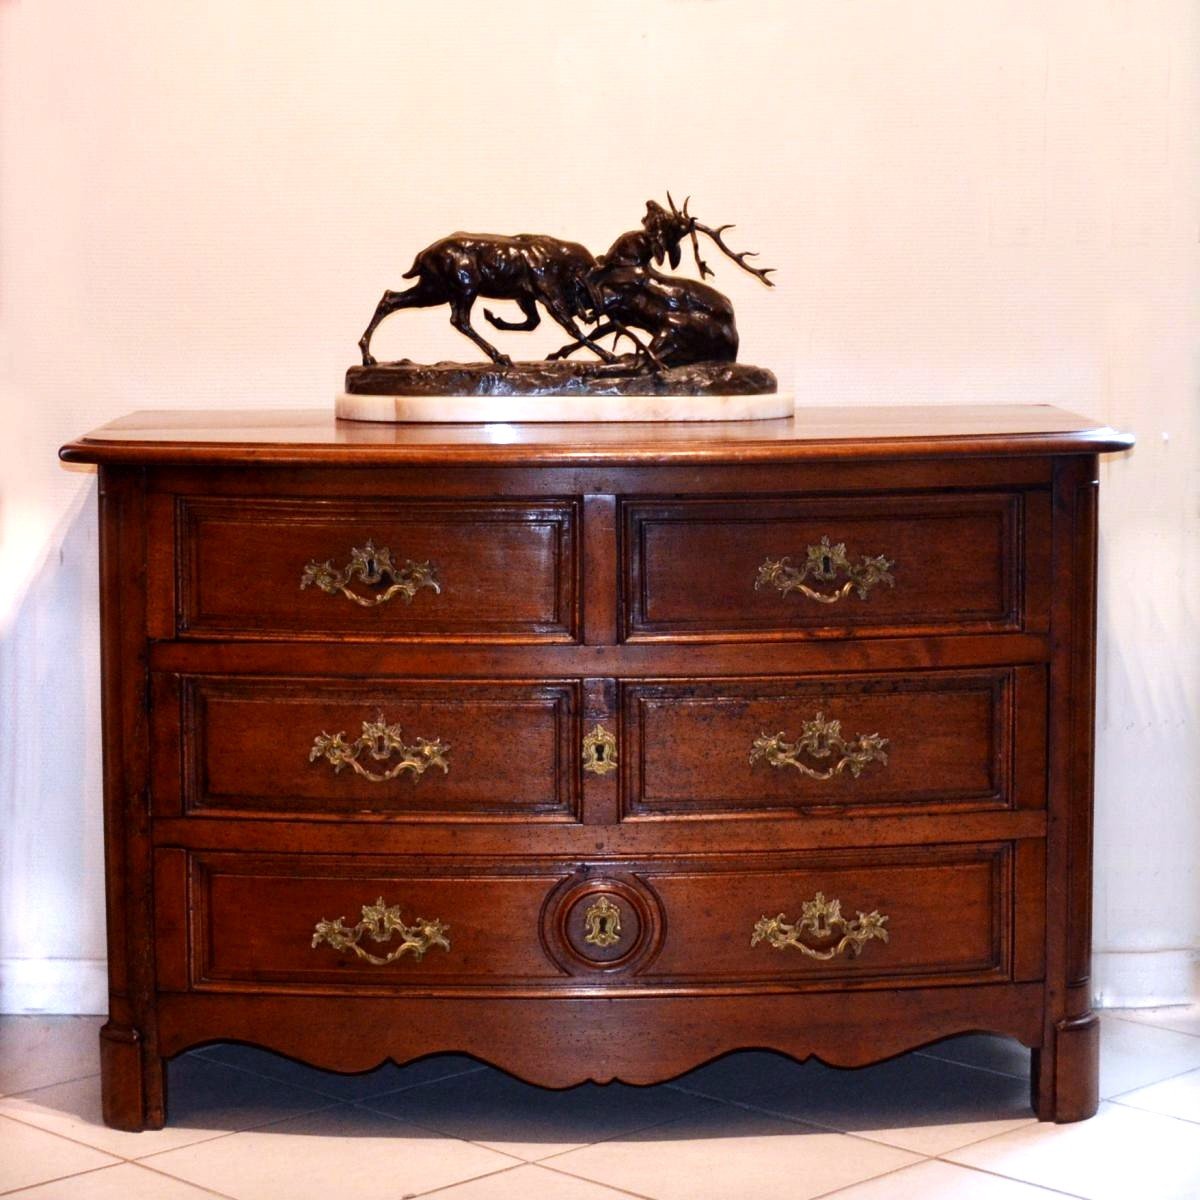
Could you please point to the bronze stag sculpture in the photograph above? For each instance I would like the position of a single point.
(688, 321)
(672, 322)
(527, 268)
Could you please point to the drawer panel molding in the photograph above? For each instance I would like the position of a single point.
(784, 568)
(935, 911)
(931, 741)
(394, 570)
(924, 915)
(380, 749)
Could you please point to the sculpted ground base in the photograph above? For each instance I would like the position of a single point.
(560, 378)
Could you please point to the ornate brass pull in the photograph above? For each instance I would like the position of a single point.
(371, 566)
(380, 740)
(822, 919)
(599, 751)
(378, 923)
(821, 739)
(603, 921)
(824, 563)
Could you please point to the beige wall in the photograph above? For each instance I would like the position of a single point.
(967, 200)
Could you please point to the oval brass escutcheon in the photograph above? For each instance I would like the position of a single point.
(601, 928)
(601, 923)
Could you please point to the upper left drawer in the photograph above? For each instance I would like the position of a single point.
(370, 569)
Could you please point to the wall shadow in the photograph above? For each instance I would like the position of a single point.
(51, 854)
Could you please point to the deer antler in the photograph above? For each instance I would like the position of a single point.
(740, 259)
(689, 223)
(693, 226)
(701, 266)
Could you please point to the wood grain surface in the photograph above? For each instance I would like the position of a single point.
(598, 577)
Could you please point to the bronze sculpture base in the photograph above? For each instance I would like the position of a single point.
(563, 377)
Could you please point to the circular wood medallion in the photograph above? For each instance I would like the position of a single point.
(601, 923)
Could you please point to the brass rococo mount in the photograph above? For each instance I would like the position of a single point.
(681, 332)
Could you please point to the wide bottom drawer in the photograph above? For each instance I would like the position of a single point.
(909, 915)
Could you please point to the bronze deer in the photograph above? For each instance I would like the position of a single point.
(527, 268)
(688, 321)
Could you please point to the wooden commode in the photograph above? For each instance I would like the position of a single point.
(598, 751)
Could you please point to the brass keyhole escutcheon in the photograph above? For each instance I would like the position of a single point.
(603, 921)
(599, 751)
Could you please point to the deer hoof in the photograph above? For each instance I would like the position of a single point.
(502, 360)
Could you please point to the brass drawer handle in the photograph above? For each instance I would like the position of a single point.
(380, 740)
(371, 566)
(378, 923)
(824, 563)
(822, 919)
(821, 739)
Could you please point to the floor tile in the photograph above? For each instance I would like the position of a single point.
(943, 1181)
(527, 1122)
(126, 1181)
(387, 1078)
(339, 1152)
(916, 1103)
(206, 1100)
(529, 1182)
(36, 1051)
(1182, 1018)
(988, 1051)
(1178, 1097)
(727, 1152)
(1120, 1154)
(1133, 1055)
(29, 1156)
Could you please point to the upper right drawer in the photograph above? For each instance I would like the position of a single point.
(881, 566)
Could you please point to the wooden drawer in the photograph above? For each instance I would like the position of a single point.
(431, 749)
(933, 741)
(786, 568)
(253, 920)
(947, 915)
(232, 921)
(261, 568)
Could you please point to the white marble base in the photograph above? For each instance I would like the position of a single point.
(560, 409)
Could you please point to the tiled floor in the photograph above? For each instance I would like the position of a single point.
(951, 1122)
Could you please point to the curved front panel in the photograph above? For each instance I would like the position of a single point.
(936, 741)
(900, 917)
(384, 748)
(387, 570)
(794, 567)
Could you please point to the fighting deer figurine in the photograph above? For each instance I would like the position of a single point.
(527, 268)
(687, 321)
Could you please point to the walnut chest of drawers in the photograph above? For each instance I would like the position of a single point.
(597, 752)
